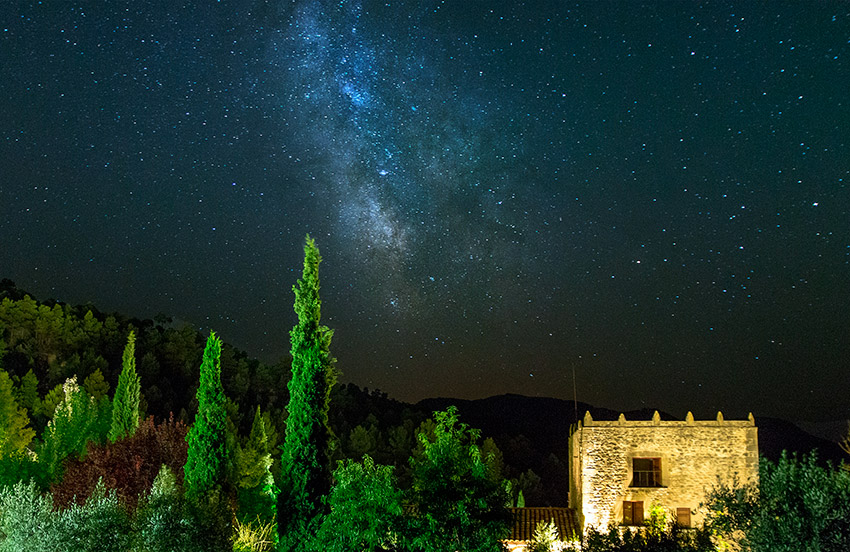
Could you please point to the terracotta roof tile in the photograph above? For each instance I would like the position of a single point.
(525, 521)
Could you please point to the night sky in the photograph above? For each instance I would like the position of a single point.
(652, 195)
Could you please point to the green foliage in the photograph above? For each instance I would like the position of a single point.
(305, 464)
(257, 493)
(26, 520)
(365, 509)
(545, 538)
(166, 523)
(101, 524)
(160, 522)
(671, 538)
(207, 457)
(459, 506)
(27, 393)
(125, 405)
(74, 424)
(796, 506)
(96, 385)
(657, 521)
(15, 436)
(253, 536)
(55, 396)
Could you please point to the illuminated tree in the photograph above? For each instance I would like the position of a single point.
(257, 492)
(305, 468)
(74, 424)
(125, 405)
(365, 509)
(207, 457)
(14, 433)
(796, 505)
(459, 506)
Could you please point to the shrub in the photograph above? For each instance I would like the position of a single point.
(26, 519)
(102, 524)
(166, 522)
(128, 466)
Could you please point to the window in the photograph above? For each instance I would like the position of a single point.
(683, 517)
(632, 513)
(646, 472)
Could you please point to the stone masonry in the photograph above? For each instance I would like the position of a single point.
(686, 458)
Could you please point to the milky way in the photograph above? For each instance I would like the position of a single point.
(653, 196)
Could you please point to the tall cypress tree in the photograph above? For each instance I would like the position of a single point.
(125, 405)
(305, 464)
(205, 464)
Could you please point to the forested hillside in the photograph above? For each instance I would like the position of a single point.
(43, 343)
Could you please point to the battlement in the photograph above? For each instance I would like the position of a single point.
(656, 421)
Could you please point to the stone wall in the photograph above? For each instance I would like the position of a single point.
(695, 456)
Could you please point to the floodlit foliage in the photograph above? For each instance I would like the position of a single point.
(459, 506)
(365, 509)
(206, 459)
(26, 519)
(545, 538)
(253, 536)
(305, 463)
(127, 467)
(796, 506)
(76, 421)
(125, 404)
(257, 493)
(15, 435)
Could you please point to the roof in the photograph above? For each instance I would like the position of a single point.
(525, 521)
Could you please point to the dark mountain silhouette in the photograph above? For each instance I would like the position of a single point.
(546, 422)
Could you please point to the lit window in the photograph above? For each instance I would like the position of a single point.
(632, 513)
(646, 472)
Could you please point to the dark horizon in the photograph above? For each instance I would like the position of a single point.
(654, 196)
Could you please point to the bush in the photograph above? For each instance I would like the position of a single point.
(166, 522)
(672, 538)
(26, 519)
(102, 524)
(796, 506)
(128, 467)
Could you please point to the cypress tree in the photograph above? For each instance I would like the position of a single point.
(125, 405)
(206, 461)
(305, 463)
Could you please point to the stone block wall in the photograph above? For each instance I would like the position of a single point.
(695, 456)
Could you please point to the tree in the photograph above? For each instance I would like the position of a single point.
(305, 477)
(96, 385)
(74, 424)
(125, 405)
(459, 506)
(207, 457)
(257, 493)
(14, 433)
(365, 509)
(796, 505)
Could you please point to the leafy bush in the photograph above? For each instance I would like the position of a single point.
(796, 506)
(26, 519)
(166, 522)
(673, 538)
(128, 466)
(101, 524)
(365, 509)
